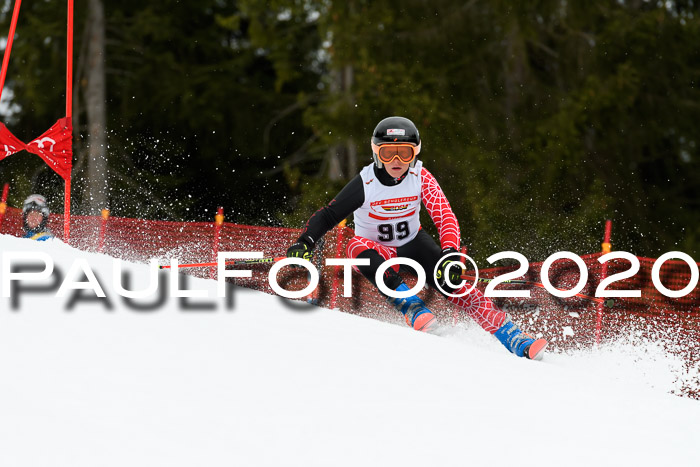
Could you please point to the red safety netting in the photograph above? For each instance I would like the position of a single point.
(140, 240)
(568, 323)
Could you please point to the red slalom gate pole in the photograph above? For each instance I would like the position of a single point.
(69, 114)
(3, 202)
(8, 46)
(606, 248)
(218, 224)
(69, 62)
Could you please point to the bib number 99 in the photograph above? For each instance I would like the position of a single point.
(389, 232)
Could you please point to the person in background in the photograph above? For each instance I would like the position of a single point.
(35, 215)
(385, 198)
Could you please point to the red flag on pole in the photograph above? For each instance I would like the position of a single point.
(54, 146)
(9, 144)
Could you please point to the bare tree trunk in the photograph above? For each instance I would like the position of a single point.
(333, 156)
(342, 157)
(350, 144)
(95, 103)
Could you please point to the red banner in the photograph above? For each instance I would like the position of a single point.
(9, 144)
(55, 146)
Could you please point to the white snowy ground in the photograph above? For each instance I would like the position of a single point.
(270, 384)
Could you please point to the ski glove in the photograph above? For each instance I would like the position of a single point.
(455, 272)
(300, 249)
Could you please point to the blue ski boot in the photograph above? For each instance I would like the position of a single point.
(520, 343)
(413, 308)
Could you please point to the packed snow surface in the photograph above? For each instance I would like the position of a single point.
(269, 382)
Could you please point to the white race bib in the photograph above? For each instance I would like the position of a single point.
(390, 214)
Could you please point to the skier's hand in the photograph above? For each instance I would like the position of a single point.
(455, 272)
(300, 250)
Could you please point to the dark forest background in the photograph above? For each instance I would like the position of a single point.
(540, 119)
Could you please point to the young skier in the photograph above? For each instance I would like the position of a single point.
(35, 215)
(385, 198)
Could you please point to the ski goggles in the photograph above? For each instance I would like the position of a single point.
(405, 152)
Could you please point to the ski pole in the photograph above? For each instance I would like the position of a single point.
(607, 302)
(228, 263)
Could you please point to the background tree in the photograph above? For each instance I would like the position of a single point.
(95, 109)
(540, 119)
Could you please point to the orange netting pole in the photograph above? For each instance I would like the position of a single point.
(217, 236)
(8, 47)
(103, 230)
(3, 202)
(69, 114)
(338, 253)
(606, 248)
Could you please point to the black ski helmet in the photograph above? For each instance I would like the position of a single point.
(395, 130)
(35, 203)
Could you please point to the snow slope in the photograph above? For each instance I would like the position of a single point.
(274, 383)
